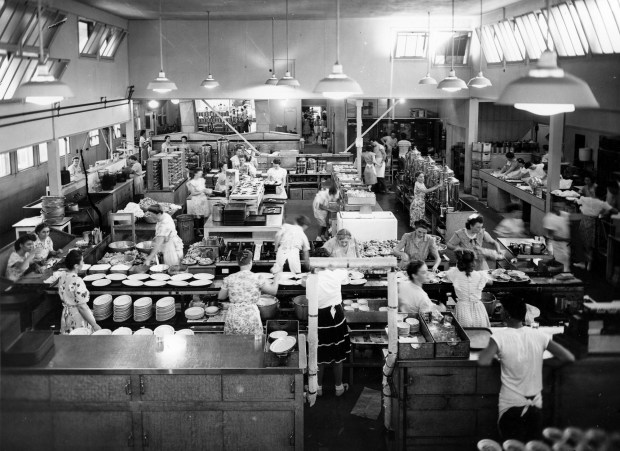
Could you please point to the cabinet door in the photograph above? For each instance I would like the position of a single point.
(239, 387)
(259, 430)
(99, 431)
(24, 387)
(180, 388)
(90, 388)
(20, 430)
(186, 430)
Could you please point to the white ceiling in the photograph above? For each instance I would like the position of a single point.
(298, 9)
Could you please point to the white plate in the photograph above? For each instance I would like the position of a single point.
(132, 283)
(345, 281)
(353, 275)
(182, 276)
(282, 345)
(143, 302)
(122, 301)
(287, 275)
(177, 283)
(93, 277)
(116, 277)
(264, 275)
(80, 331)
(145, 331)
(194, 312)
(102, 332)
(288, 282)
(165, 302)
(123, 331)
(159, 268)
(163, 330)
(513, 445)
(200, 283)
(155, 283)
(120, 267)
(100, 267)
(278, 334)
(488, 445)
(184, 332)
(139, 276)
(102, 282)
(212, 310)
(357, 281)
(204, 276)
(102, 300)
(160, 276)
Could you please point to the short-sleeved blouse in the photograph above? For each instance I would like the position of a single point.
(467, 288)
(72, 289)
(243, 287)
(336, 251)
(13, 272)
(166, 228)
(417, 250)
(43, 248)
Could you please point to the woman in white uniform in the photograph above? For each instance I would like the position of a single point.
(278, 174)
(166, 239)
(197, 202)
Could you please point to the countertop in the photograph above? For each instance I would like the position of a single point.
(177, 354)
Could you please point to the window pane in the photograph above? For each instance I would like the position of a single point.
(573, 24)
(531, 44)
(5, 164)
(588, 26)
(610, 24)
(25, 158)
(85, 29)
(491, 53)
(538, 37)
(93, 137)
(42, 152)
(561, 40)
(63, 146)
(117, 131)
(410, 45)
(599, 26)
(443, 47)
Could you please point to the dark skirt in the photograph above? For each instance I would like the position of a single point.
(334, 344)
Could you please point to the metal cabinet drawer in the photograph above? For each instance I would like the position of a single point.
(254, 387)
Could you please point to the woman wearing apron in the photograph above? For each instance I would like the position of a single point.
(166, 239)
(243, 290)
(472, 237)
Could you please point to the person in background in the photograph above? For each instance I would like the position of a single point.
(135, 169)
(278, 174)
(22, 259)
(512, 225)
(166, 238)
(343, 245)
(418, 245)
(589, 187)
(557, 229)
(613, 196)
(220, 183)
(291, 239)
(380, 160)
(307, 128)
(520, 351)
(418, 202)
(411, 296)
(165, 147)
(43, 246)
(320, 207)
(74, 296)
(545, 157)
(472, 238)
(144, 145)
(197, 202)
(404, 145)
(184, 144)
(534, 170)
(246, 167)
(370, 172)
(318, 128)
(243, 289)
(391, 145)
(591, 209)
(75, 171)
(517, 173)
(468, 285)
(511, 164)
(235, 160)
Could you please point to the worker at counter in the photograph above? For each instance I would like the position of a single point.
(166, 238)
(320, 206)
(511, 164)
(135, 169)
(43, 245)
(291, 239)
(472, 238)
(184, 144)
(517, 173)
(418, 245)
(343, 245)
(75, 172)
(22, 259)
(165, 147)
(278, 174)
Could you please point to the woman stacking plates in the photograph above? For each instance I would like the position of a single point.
(343, 245)
(472, 238)
(243, 290)
(166, 238)
(418, 245)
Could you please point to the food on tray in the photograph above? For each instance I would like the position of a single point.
(132, 257)
(375, 248)
(360, 193)
(166, 206)
(188, 261)
(134, 208)
(204, 261)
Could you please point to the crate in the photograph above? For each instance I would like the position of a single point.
(308, 193)
(476, 164)
(481, 156)
(420, 351)
(296, 193)
(445, 350)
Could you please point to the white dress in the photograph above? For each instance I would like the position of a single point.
(470, 310)
(173, 245)
(198, 203)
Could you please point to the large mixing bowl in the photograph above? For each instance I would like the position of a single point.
(121, 246)
(301, 307)
(268, 307)
(490, 302)
(145, 247)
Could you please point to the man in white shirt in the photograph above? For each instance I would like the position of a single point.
(320, 207)
(235, 160)
(290, 240)
(165, 147)
(520, 350)
(556, 225)
(403, 145)
(391, 143)
(74, 170)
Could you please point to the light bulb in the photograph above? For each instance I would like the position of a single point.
(43, 100)
(174, 101)
(153, 104)
(546, 109)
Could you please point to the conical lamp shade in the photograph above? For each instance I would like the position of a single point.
(479, 81)
(337, 85)
(162, 84)
(43, 89)
(451, 83)
(209, 82)
(288, 80)
(427, 80)
(547, 90)
(273, 80)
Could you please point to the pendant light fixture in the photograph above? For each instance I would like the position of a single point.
(161, 84)
(43, 88)
(337, 85)
(273, 80)
(452, 83)
(480, 81)
(547, 89)
(288, 79)
(428, 80)
(209, 82)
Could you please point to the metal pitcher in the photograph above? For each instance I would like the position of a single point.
(218, 212)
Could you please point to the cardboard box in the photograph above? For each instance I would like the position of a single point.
(481, 156)
(296, 193)
(480, 164)
(308, 193)
(475, 173)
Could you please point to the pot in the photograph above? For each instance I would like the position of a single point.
(301, 307)
(121, 246)
(514, 248)
(268, 307)
(527, 249)
(217, 212)
(538, 248)
(72, 207)
(490, 302)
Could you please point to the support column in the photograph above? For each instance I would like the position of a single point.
(187, 111)
(556, 138)
(263, 116)
(471, 136)
(359, 140)
(339, 125)
(53, 168)
(130, 129)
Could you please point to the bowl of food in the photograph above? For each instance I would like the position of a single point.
(159, 268)
(121, 246)
(145, 247)
(82, 243)
(120, 269)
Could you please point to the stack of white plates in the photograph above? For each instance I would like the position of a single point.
(414, 325)
(80, 331)
(403, 328)
(116, 277)
(93, 277)
(143, 331)
(182, 276)
(194, 313)
(206, 276)
(122, 308)
(142, 309)
(160, 276)
(102, 307)
(103, 332)
(123, 331)
(184, 332)
(138, 276)
(165, 309)
(163, 330)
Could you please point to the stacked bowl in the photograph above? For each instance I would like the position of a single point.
(102, 307)
(142, 309)
(165, 309)
(122, 308)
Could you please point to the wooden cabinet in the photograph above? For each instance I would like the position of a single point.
(26, 431)
(186, 430)
(276, 430)
(101, 430)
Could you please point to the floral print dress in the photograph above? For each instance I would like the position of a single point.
(243, 317)
(418, 203)
(72, 291)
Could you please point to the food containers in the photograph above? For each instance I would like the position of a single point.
(417, 343)
(99, 269)
(267, 306)
(451, 342)
(120, 269)
(121, 246)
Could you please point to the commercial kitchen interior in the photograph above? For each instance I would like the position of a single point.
(108, 51)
